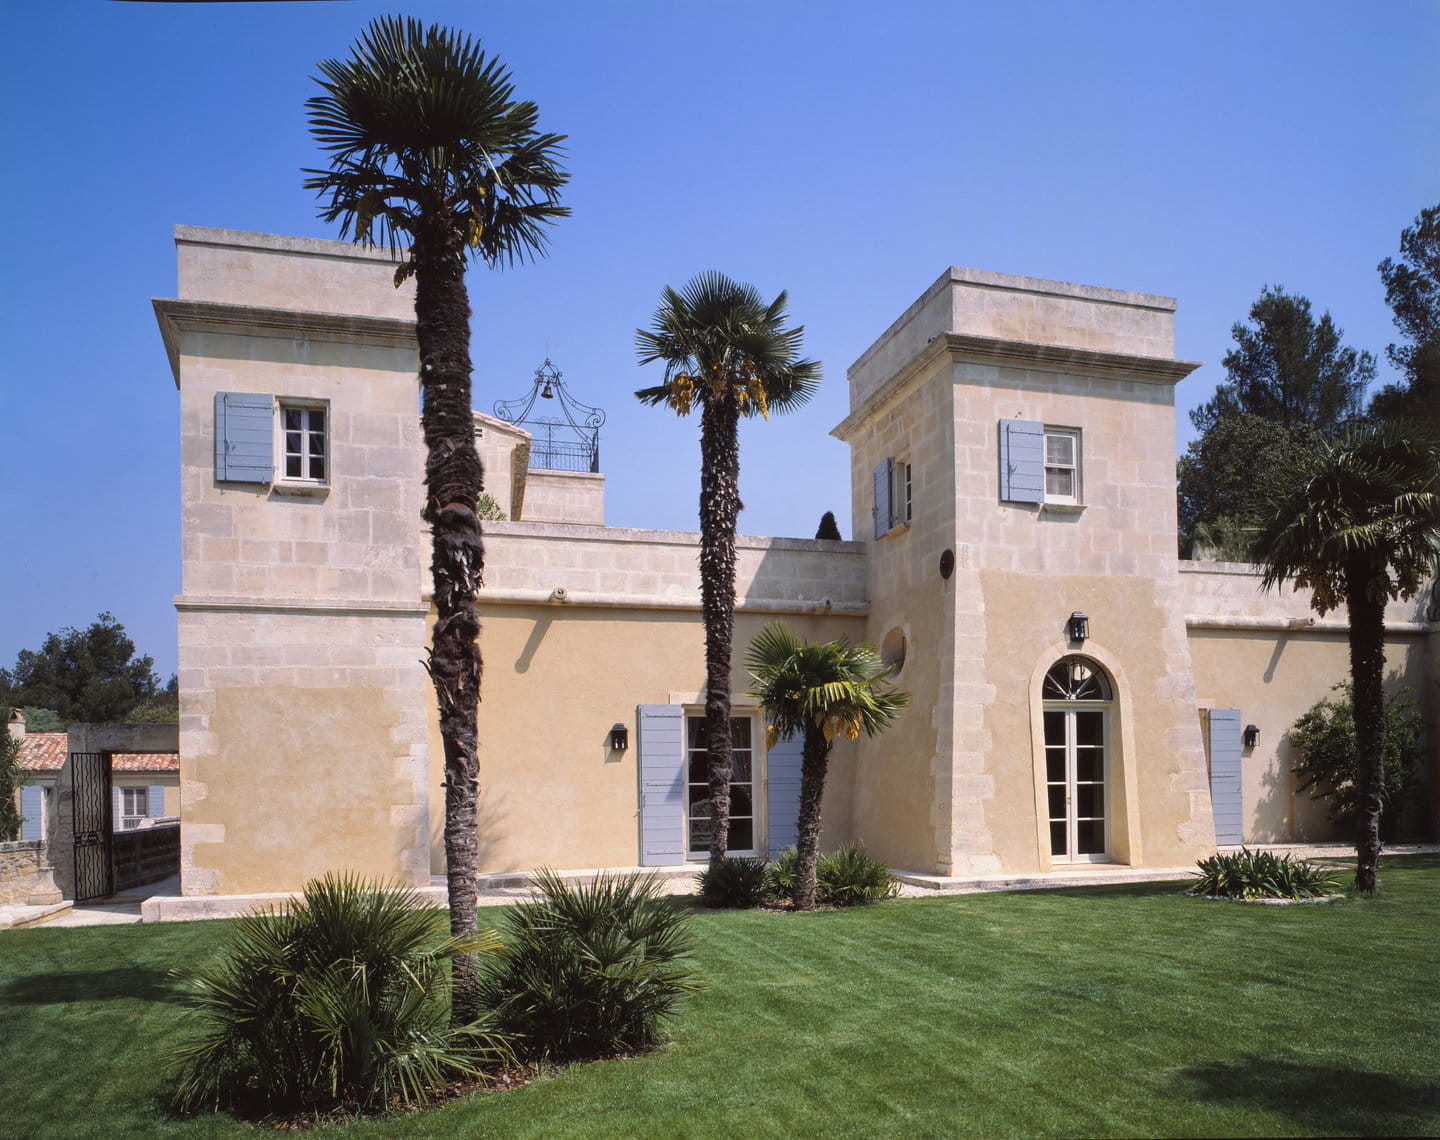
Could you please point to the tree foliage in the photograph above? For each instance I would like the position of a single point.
(1323, 740)
(428, 146)
(87, 674)
(1412, 289)
(41, 720)
(730, 354)
(1289, 368)
(1357, 522)
(819, 691)
(1218, 486)
(828, 527)
(10, 818)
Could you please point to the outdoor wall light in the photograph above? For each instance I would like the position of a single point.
(1079, 626)
(619, 737)
(1252, 734)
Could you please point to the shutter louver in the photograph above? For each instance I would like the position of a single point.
(1225, 795)
(882, 511)
(782, 794)
(32, 807)
(155, 801)
(1022, 461)
(244, 437)
(660, 733)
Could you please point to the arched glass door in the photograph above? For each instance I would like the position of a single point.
(1077, 697)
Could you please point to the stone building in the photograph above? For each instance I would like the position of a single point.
(1080, 696)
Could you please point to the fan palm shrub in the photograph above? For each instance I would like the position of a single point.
(590, 970)
(735, 881)
(344, 999)
(729, 353)
(429, 148)
(1357, 522)
(848, 876)
(822, 691)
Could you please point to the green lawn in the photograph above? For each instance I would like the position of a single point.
(1123, 1011)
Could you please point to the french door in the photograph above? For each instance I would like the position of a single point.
(1075, 784)
(742, 788)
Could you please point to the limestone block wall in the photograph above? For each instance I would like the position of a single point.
(504, 451)
(22, 871)
(565, 497)
(528, 562)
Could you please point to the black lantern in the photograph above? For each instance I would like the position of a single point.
(1252, 734)
(1079, 626)
(619, 737)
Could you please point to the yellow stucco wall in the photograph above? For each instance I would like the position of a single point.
(556, 678)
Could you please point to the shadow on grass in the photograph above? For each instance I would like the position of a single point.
(142, 983)
(1324, 1099)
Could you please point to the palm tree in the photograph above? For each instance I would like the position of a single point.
(729, 352)
(429, 148)
(823, 691)
(1357, 522)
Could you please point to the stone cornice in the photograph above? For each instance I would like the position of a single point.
(178, 316)
(1014, 353)
(362, 608)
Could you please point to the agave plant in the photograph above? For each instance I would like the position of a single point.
(342, 1000)
(1247, 874)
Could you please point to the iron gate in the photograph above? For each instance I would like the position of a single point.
(94, 822)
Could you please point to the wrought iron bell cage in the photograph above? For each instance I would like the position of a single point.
(566, 438)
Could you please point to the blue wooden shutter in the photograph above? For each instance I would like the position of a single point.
(883, 512)
(155, 801)
(1225, 798)
(32, 807)
(782, 794)
(660, 732)
(1022, 461)
(244, 437)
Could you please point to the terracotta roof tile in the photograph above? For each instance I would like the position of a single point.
(45, 752)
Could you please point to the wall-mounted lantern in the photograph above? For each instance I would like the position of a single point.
(619, 737)
(1079, 626)
(1252, 734)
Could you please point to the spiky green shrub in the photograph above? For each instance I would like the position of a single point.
(590, 970)
(851, 876)
(734, 882)
(1247, 874)
(343, 1000)
(848, 876)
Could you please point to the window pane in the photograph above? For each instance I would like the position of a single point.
(292, 442)
(740, 803)
(695, 729)
(317, 468)
(1055, 765)
(317, 443)
(1090, 764)
(1060, 449)
(1057, 839)
(699, 835)
(700, 801)
(1057, 801)
(1060, 481)
(740, 767)
(1090, 837)
(293, 419)
(1090, 801)
(740, 732)
(699, 768)
(292, 466)
(1088, 727)
(742, 835)
(1054, 726)
(317, 419)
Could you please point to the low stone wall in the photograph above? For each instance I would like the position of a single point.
(24, 875)
(145, 855)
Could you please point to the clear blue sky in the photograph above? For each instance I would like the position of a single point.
(846, 151)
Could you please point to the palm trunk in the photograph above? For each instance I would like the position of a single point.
(1367, 671)
(719, 509)
(815, 758)
(453, 481)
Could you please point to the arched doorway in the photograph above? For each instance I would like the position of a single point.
(1078, 699)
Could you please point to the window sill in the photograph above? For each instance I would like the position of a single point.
(898, 528)
(1062, 508)
(301, 490)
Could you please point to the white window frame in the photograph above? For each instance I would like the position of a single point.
(901, 490)
(283, 478)
(757, 784)
(129, 820)
(1074, 467)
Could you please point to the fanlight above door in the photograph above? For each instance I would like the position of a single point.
(1076, 679)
